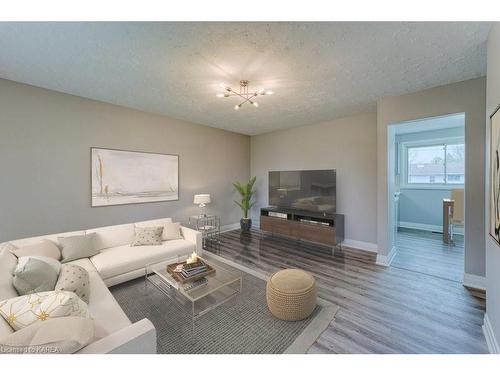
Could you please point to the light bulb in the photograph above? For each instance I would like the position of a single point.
(269, 92)
(255, 104)
(237, 106)
(219, 95)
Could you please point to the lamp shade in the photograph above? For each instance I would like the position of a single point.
(202, 199)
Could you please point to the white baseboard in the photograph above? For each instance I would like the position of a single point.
(474, 281)
(386, 260)
(428, 227)
(489, 335)
(360, 245)
(229, 227)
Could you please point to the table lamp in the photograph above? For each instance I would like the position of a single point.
(202, 200)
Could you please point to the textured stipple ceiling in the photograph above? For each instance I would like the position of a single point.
(318, 71)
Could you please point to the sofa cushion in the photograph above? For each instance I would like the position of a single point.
(34, 276)
(64, 335)
(154, 222)
(75, 279)
(77, 247)
(44, 248)
(23, 311)
(116, 235)
(52, 237)
(123, 259)
(8, 262)
(145, 236)
(103, 308)
(5, 329)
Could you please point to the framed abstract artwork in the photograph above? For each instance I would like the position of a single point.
(128, 177)
(495, 175)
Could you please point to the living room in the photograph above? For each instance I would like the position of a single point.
(229, 187)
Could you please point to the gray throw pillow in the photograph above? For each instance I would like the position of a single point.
(73, 278)
(34, 276)
(147, 236)
(77, 247)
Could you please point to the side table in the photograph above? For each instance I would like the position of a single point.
(209, 226)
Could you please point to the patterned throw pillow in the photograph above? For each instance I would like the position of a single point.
(74, 279)
(23, 311)
(34, 276)
(147, 236)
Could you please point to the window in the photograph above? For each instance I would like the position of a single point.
(435, 164)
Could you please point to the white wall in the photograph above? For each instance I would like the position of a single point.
(348, 145)
(45, 140)
(492, 249)
(468, 97)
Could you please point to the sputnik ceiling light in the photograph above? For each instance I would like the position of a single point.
(244, 93)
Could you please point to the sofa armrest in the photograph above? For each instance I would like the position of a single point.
(193, 236)
(138, 338)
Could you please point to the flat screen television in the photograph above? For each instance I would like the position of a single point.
(309, 190)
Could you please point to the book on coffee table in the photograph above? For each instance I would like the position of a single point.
(190, 272)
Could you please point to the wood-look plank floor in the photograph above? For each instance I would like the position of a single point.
(425, 252)
(382, 310)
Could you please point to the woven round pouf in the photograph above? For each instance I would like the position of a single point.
(291, 294)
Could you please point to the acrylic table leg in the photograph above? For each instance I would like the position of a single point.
(192, 320)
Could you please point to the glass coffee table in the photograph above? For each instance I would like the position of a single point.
(220, 287)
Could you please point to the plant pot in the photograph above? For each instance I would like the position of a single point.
(245, 225)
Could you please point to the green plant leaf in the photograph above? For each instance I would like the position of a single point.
(246, 191)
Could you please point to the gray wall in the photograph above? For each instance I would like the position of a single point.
(492, 249)
(45, 161)
(348, 145)
(422, 206)
(468, 97)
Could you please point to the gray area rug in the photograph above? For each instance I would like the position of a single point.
(241, 325)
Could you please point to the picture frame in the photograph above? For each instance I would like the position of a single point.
(494, 174)
(122, 177)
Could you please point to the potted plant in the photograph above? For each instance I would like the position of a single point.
(246, 191)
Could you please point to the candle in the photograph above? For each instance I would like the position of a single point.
(192, 259)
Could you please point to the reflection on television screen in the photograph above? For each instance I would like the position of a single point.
(310, 190)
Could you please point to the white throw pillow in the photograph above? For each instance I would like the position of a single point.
(7, 246)
(55, 264)
(171, 231)
(45, 248)
(25, 310)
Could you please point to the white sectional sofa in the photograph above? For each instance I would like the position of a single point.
(116, 262)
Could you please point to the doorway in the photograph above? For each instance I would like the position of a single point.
(428, 190)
